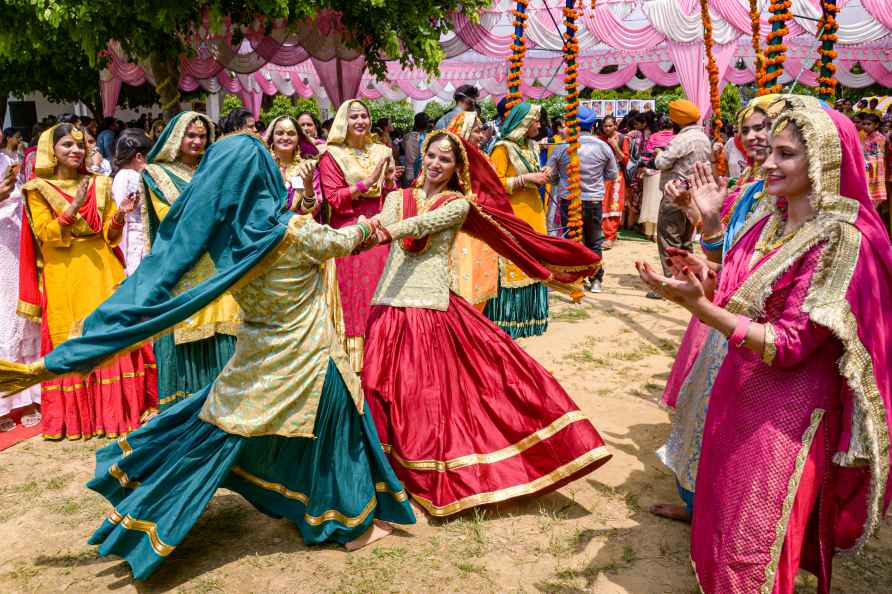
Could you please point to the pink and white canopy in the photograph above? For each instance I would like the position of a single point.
(652, 42)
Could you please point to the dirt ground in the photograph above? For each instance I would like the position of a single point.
(612, 353)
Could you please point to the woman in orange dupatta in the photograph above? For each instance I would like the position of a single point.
(474, 266)
(69, 265)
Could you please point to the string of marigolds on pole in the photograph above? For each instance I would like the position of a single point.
(713, 70)
(571, 119)
(827, 27)
(518, 51)
(755, 18)
(776, 50)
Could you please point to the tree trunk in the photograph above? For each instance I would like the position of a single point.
(167, 78)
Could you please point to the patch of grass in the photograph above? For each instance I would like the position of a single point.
(385, 553)
(56, 483)
(467, 567)
(570, 314)
(29, 488)
(629, 555)
(205, 586)
(22, 573)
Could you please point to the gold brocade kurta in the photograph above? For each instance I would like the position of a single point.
(273, 382)
(80, 270)
(221, 316)
(527, 205)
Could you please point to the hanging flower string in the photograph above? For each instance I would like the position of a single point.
(776, 50)
(518, 51)
(755, 18)
(827, 28)
(571, 120)
(715, 98)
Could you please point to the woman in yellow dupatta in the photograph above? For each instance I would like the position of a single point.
(474, 266)
(70, 265)
(521, 307)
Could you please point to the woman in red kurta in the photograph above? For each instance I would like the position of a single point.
(355, 173)
(614, 189)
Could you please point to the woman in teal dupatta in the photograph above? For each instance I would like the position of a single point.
(284, 424)
(521, 306)
(194, 353)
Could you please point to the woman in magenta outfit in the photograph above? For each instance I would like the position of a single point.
(355, 174)
(795, 459)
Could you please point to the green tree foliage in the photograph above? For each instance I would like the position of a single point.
(730, 102)
(157, 30)
(282, 105)
(399, 113)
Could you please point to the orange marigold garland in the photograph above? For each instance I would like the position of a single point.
(713, 70)
(518, 51)
(776, 50)
(571, 120)
(827, 28)
(755, 18)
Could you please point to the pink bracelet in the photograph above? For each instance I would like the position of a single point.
(65, 220)
(361, 187)
(738, 337)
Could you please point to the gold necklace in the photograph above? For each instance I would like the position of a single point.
(363, 158)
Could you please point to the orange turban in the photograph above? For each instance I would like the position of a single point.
(683, 112)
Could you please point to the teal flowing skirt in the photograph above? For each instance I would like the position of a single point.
(161, 477)
(185, 369)
(520, 312)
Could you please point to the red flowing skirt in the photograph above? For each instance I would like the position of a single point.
(109, 402)
(466, 416)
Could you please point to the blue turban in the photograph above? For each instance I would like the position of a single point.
(587, 118)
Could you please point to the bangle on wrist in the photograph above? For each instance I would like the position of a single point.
(65, 219)
(738, 337)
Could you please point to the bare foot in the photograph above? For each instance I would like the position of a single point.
(376, 531)
(673, 512)
(420, 512)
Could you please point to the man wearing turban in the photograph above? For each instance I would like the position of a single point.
(690, 144)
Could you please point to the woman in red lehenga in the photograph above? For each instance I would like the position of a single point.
(795, 459)
(69, 265)
(465, 415)
(355, 173)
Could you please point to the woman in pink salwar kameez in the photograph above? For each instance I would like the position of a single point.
(795, 459)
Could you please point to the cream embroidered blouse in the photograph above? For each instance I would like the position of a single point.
(419, 280)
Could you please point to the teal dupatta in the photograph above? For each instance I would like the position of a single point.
(233, 211)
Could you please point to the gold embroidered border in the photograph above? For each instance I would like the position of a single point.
(769, 351)
(780, 530)
(173, 397)
(115, 471)
(100, 382)
(150, 529)
(184, 335)
(28, 311)
(540, 483)
(332, 514)
(492, 457)
(826, 305)
(522, 324)
(126, 448)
